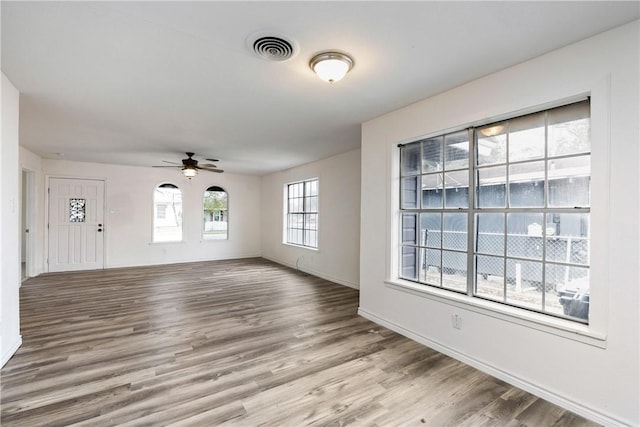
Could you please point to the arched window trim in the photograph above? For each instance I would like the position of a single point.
(209, 237)
(154, 237)
(168, 185)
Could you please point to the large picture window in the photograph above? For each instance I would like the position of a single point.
(302, 213)
(521, 237)
(167, 219)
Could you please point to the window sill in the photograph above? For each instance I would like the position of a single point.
(300, 246)
(171, 242)
(213, 239)
(559, 327)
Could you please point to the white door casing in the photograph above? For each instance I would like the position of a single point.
(76, 224)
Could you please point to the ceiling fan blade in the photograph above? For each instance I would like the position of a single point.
(191, 163)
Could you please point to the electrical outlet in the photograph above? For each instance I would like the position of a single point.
(456, 321)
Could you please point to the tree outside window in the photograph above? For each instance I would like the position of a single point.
(216, 214)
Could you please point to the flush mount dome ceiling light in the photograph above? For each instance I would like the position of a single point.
(331, 66)
(492, 131)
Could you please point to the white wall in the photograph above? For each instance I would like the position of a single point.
(596, 378)
(129, 213)
(337, 256)
(10, 338)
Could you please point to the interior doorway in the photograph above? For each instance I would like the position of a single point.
(27, 198)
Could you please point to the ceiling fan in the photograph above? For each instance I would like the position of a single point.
(190, 166)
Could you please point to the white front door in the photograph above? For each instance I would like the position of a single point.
(76, 224)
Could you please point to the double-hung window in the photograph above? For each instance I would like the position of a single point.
(167, 219)
(521, 236)
(302, 213)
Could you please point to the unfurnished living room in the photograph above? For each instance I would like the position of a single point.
(288, 213)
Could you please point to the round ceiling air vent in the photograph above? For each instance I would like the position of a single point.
(272, 48)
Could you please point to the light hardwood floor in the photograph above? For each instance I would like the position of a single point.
(239, 342)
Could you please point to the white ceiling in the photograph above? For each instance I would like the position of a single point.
(140, 82)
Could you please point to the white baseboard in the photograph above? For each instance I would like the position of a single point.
(11, 351)
(315, 273)
(496, 372)
(181, 261)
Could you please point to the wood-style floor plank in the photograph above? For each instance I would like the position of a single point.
(237, 343)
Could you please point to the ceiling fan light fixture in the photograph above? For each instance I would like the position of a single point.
(189, 172)
(331, 66)
(189, 167)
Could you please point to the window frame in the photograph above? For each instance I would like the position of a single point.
(304, 213)
(204, 236)
(469, 295)
(154, 205)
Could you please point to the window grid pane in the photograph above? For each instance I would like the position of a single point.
(302, 213)
(438, 190)
(528, 250)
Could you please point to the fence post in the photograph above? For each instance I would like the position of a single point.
(567, 260)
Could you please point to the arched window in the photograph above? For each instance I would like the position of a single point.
(216, 214)
(167, 213)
